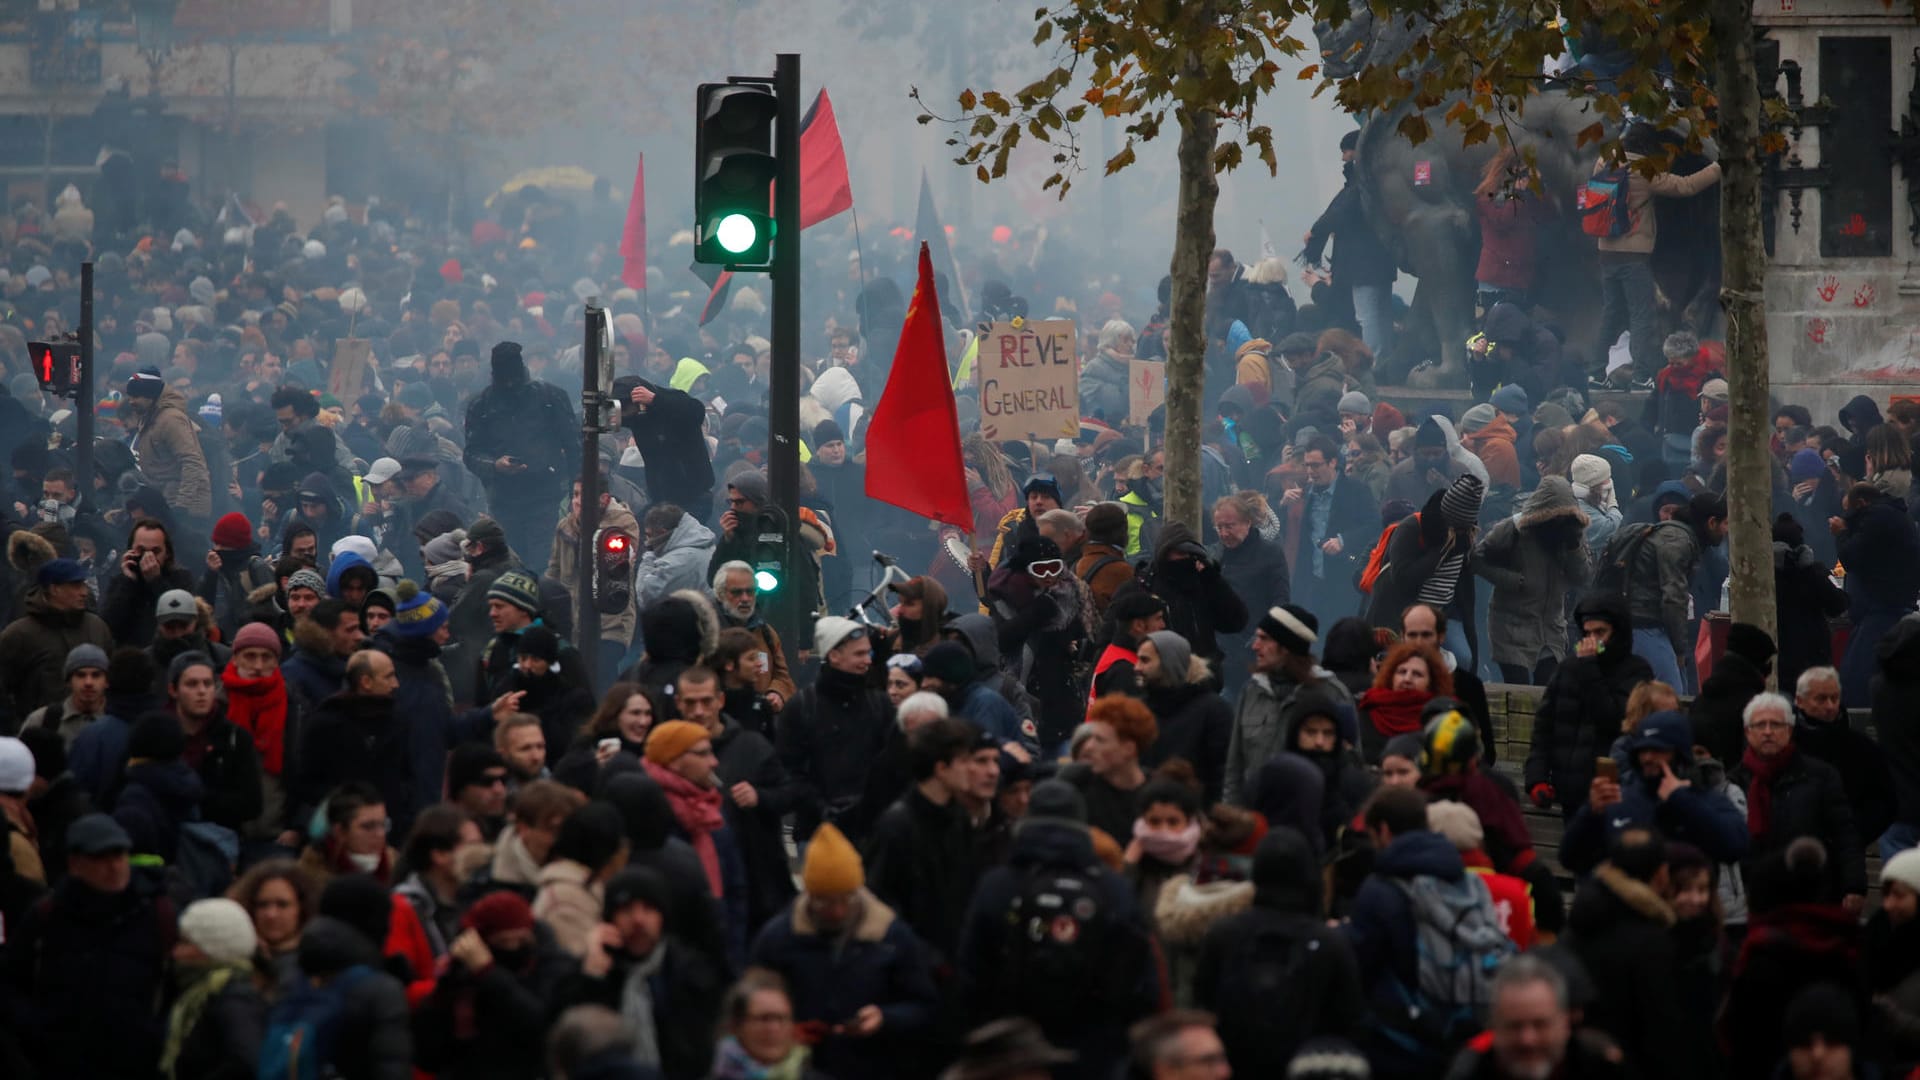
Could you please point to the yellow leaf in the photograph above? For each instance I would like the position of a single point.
(968, 100)
(1309, 72)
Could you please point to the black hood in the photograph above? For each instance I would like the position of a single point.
(509, 369)
(329, 946)
(1288, 791)
(643, 806)
(1506, 324)
(1286, 872)
(1860, 415)
(1613, 609)
(1348, 646)
(1051, 843)
(173, 783)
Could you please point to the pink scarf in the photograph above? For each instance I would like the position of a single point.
(698, 811)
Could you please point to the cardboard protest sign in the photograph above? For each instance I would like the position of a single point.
(1028, 375)
(1146, 389)
(352, 357)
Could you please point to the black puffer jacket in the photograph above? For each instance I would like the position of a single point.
(1718, 711)
(1881, 551)
(86, 964)
(831, 734)
(374, 1040)
(1195, 724)
(1579, 715)
(356, 737)
(1621, 930)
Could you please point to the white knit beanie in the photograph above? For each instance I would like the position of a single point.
(1903, 868)
(220, 928)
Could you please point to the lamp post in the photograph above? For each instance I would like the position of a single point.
(153, 35)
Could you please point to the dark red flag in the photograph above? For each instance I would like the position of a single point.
(633, 241)
(913, 440)
(825, 190)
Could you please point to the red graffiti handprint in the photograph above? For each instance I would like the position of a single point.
(1863, 296)
(1817, 331)
(1829, 287)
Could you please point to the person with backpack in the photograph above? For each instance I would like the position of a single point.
(345, 1016)
(89, 960)
(1620, 928)
(1134, 614)
(1427, 940)
(1616, 209)
(1056, 937)
(1650, 566)
(1276, 975)
(1430, 560)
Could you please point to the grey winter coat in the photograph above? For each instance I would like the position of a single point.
(682, 564)
(1532, 559)
(1259, 727)
(1103, 387)
(1657, 581)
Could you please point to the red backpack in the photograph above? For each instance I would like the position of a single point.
(1377, 561)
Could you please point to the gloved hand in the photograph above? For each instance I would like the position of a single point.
(1542, 795)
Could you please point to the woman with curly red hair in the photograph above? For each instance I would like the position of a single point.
(1409, 676)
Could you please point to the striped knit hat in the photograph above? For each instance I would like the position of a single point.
(416, 613)
(1460, 506)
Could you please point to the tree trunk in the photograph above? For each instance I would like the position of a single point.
(1743, 280)
(1186, 333)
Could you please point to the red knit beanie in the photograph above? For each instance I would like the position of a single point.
(497, 913)
(233, 532)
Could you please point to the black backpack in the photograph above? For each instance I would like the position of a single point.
(1613, 575)
(1067, 955)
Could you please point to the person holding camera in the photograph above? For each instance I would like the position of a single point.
(1660, 792)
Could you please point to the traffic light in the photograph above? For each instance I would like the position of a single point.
(55, 364)
(612, 570)
(770, 552)
(734, 170)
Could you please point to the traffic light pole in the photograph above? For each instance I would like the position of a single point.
(783, 422)
(586, 624)
(84, 395)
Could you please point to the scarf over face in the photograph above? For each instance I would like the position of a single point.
(259, 706)
(698, 812)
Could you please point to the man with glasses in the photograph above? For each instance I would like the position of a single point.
(750, 512)
(477, 784)
(739, 599)
(1338, 526)
(1791, 794)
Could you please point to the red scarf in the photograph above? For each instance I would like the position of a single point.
(1394, 712)
(1687, 378)
(260, 706)
(698, 811)
(1760, 792)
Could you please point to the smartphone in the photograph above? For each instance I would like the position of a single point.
(1607, 769)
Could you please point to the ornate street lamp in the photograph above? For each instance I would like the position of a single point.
(153, 34)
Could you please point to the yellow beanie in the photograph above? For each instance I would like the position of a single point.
(833, 867)
(675, 737)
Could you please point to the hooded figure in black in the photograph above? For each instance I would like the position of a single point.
(1858, 417)
(1740, 674)
(523, 442)
(1200, 601)
(668, 428)
(1579, 715)
(1346, 783)
(562, 706)
(1276, 975)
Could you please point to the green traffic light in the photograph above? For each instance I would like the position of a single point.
(766, 580)
(736, 234)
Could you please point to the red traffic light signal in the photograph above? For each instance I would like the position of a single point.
(612, 571)
(614, 543)
(56, 364)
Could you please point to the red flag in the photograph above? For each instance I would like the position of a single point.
(825, 189)
(633, 242)
(913, 440)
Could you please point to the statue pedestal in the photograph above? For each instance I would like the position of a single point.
(1843, 283)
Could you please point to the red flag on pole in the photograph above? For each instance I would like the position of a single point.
(825, 190)
(913, 440)
(633, 241)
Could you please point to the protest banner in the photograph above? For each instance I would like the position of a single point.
(346, 378)
(1028, 374)
(1146, 389)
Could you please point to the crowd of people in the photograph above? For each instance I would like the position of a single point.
(304, 772)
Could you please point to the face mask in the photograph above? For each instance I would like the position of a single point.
(1168, 847)
(366, 864)
(513, 959)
